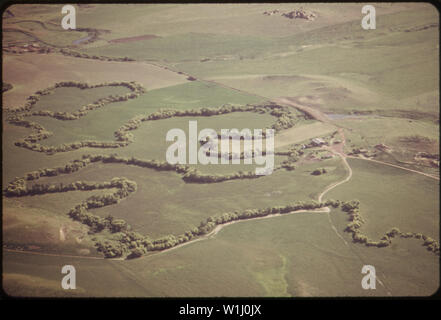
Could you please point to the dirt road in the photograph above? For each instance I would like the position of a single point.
(313, 113)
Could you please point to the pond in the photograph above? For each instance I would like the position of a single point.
(78, 41)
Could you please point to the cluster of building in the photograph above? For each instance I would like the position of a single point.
(295, 14)
(300, 14)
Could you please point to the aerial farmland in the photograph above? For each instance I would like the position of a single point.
(220, 150)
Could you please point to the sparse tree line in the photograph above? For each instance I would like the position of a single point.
(356, 221)
(76, 54)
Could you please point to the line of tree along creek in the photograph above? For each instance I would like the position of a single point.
(285, 118)
(17, 116)
(121, 241)
(356, 221)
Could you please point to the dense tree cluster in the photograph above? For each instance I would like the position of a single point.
(123, 242)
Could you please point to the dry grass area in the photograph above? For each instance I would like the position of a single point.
(34, 227)
(31, 72)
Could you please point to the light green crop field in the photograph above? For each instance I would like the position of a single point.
(372, 96)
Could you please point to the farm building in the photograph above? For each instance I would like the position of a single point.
(317, 142)
(382, 147)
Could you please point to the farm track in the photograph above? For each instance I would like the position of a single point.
(336, 184)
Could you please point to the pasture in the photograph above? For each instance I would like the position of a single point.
(372, 87)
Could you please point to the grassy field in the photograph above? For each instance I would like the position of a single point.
(366, 71)
(413, 207)
(174, 206)
(276, 257)
(112, 116)
(237, 19)
(376, 86)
